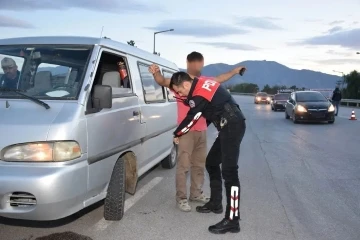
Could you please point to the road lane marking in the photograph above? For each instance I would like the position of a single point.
(103, 224)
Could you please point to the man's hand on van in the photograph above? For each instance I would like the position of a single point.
(176, 140)
(159, 78)
(154, 69)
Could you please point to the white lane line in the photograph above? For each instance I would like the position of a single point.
(103, 224)
(142, 192)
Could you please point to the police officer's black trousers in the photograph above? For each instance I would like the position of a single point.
(225, 151)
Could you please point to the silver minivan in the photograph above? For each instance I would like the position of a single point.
(80, 120)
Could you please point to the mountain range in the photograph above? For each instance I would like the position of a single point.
(261, 73)
(273, 73)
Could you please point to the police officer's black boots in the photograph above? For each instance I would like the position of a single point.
(225, 226)
(211, 206)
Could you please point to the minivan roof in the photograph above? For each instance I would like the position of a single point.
(105, 42)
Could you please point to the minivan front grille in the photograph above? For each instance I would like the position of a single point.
(22, 199)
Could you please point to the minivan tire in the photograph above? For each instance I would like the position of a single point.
(170, 161)
(115, 197)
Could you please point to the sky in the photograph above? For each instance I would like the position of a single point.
(317, 35)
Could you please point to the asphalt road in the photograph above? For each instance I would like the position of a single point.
(299, 181)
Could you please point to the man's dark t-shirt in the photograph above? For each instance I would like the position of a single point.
(9, 83)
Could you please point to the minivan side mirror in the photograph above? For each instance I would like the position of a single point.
(102, 97)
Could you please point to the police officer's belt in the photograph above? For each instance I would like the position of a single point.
(231, 112)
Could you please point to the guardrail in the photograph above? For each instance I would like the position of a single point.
(351, 102)
(345, 102)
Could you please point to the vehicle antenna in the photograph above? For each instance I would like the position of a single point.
(102, 29)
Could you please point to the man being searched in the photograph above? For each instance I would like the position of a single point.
(11, 76)
(209, 99)
(192, 147)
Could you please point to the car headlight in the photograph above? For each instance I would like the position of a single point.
(300, 108)
(42, 152)
(258, 98)
(331, 108)
(268, 99)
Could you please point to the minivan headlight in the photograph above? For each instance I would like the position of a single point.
(331, 108)
(42, 152)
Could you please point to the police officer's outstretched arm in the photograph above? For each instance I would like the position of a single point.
(197, 105)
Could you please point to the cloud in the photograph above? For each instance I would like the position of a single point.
(336, 22)
(312, 20)
(340, 61)
(338, 53)
(349, 39)
(230, 46)
(259, 22)
(335, 29)
(273, 18)
(197, 28)
(13, 23)
(95, 5)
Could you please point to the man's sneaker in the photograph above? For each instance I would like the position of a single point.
(183, 205)
(201, 198)
(210, 207)
(225, 226)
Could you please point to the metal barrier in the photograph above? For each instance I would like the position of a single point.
(351, 102)
(346, 102)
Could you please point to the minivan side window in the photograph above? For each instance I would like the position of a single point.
(170, 94)
(153, 92)
(112, 71)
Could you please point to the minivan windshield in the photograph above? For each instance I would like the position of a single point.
(282, 96)
(43, 71)
(310, 97)
(261, 94)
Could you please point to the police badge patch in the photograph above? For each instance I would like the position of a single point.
(192, 103)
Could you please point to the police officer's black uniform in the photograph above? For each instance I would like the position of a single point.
(209, 99)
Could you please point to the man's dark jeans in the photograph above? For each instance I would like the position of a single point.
(336, 104)
(225, 151)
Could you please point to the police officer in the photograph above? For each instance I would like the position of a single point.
(209, 99)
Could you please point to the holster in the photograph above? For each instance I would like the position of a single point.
(231, 113)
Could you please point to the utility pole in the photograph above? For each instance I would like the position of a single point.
(169, 30)
(343, 81)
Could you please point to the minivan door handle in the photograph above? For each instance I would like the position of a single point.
(136, 113)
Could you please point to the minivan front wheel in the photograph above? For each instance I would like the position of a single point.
(170, 161)
(115, 198)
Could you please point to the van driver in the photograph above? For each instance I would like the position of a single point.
(11, 76)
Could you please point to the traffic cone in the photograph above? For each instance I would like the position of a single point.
(352, 115)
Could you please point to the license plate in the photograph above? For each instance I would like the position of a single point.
(318, 115)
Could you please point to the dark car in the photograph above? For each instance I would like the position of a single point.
(309, 106)
(279, 100)
(262, 97)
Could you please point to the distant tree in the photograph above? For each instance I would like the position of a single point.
(267, 89)
(131, 43)
(352, 90)
(245, 88)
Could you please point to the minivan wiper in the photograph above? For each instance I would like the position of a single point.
(34, 99)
